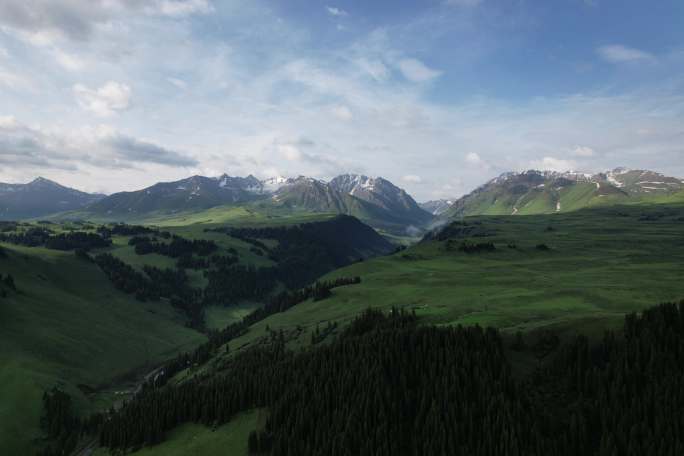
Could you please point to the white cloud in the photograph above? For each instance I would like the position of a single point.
(43, 22)
(12, 80)
(333, 11)
(416, 71)
(375, 68)
(554, 164)
(617, 53)
(342, 112)
(178, 8)
(106, 100)
(179, 83)
(583, 151)
(264, 80)
(68, 61)
(474, 159)
(8, 122)
(463, 3)
(290, 152)
(103, 147)
(412, 179)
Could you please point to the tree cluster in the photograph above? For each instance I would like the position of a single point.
(154, 284)
(7, 283)
(307, 251)
(122, 229)
(59, 423)
(388, 386)
(32, 237)
(77, 240)
(280, 303)
(39, 236)
(178, 247)
(470, 247)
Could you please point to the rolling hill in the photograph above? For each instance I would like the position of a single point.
(68, 327)
(541, 279)
(73, 325)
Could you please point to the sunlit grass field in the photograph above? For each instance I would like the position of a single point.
(602, 264)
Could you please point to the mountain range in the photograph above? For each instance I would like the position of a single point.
(39, 198)
(538, 192)
(374, 200)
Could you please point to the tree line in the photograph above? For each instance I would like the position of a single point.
(154, 284)
(7, 284)
(63, 429)
(178, 246)
(389, 386)
(307, 251)
(42, 237)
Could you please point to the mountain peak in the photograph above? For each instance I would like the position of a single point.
(43, 181)
(39, 198)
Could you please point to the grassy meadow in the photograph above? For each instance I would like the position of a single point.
(602, 264)
(68, 327)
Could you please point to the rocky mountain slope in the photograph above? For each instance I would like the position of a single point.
(437, 207)
(39, 198)
(538, 192)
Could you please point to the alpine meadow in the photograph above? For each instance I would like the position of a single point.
(250, 228)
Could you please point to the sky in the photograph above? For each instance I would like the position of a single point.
(437, 96)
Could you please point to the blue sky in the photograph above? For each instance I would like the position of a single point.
(436, 95)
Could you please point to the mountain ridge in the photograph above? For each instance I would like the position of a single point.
(41, 197)
(537, 192)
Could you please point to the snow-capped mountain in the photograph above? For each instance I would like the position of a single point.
(193, 193)
(534, 191)
(39, 198)
(374, 200)
(437, 207)
(382, 193)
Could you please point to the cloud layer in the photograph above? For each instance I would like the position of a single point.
(111, 95)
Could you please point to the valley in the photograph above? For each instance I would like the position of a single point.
(306, 228)
(100, 304)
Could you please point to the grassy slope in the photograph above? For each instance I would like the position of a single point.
(234, 215)
(69, 326)
(194, 439)
(602, 266)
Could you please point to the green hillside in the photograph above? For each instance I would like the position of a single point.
(194, 439)
(537, 192)
(67, 326)
(602, 263)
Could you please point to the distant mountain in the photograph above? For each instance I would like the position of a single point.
(39, 198)
(376, 201)
(312, 195)
(383, 194)
(536, 192)
(437, 207)
(194, 193)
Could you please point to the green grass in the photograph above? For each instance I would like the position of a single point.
(68, 326)
(601, 266)
(217, 317)
(194, 439)
(244, 215)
